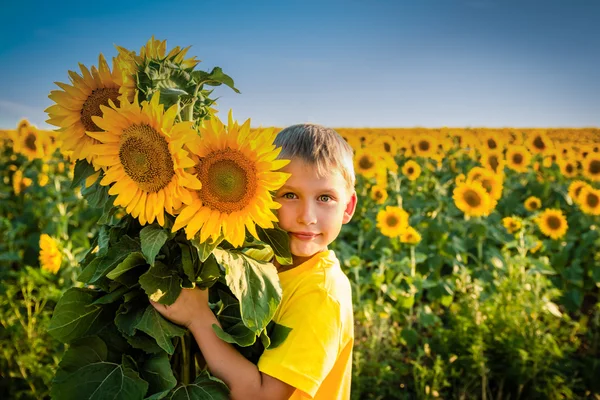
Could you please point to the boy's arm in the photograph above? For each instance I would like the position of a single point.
(243, 377)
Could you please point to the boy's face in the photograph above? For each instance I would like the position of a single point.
(313, 209)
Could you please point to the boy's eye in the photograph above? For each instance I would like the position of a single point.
(288, 196)
(325, 198)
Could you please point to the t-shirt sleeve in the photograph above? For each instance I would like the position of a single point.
(309, 352)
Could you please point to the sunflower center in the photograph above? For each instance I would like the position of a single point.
(378, 194)
(365, 163)
(410, 170)
(424, 145)
(387, 147)
(539, 143)
(91, 107)
(472, 198)
(487, 185)
(392, 221)
(569, 168)
(228, 179)
(492, 144)
(595, 167)
(518, 158)
(145, 156)
(533, 205)
(554, 222)
(30, 142)
(493, 161)
(592, 200)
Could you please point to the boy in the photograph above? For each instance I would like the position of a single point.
(315, 360)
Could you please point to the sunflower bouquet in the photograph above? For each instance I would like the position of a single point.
(186, 202)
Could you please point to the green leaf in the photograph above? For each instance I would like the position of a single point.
(205, 387)
(82, 171)
(410, 336)
(160, 329)
(189, 260)
(153, 237)
(239, 334)
(132, 260)
(279, 241)
(97, 195)
(112, 296)
(75, 315)
(229, 313)
(113, 257)
(157, 372)
(256, 286)
(144, 342)
(161, 283)
(206, 248)
(209, 273)
(130, 314)
(215, 78)
(84, 373)
(277, 334)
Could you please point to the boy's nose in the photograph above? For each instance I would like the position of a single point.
(307, 214)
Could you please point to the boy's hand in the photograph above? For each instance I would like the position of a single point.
(189, 306)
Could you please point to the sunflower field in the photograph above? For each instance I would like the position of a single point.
(474, 254)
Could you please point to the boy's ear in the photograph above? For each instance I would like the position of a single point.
(350, 208)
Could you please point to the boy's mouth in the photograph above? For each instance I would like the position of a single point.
(304, 235)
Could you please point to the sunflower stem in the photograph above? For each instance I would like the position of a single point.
(188, 111)
(185, 353)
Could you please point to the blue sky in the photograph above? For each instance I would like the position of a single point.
(351, 63)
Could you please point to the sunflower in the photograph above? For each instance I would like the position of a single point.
(589, 200)
(411, 169)
(387, 144)
(491, 182)
(365, 162)
(533, 203)
(553, 223)
(154, 50)
(410, 236)
(568, 168)
(381, 177)
(492, 142)
(518, 158)
(379, 194)
(591, 167)
(538, 142)
(472, 199)
(536, 247)
(238, 170)
(512, 224)
(564, 151)
(144, 159)
(493, 160)
(392, 221)
(460, 179)
(425, 146)
(43, 179)
(78, 104)
(575, 189)
(20, 183)
(30, 143)
(50, 256)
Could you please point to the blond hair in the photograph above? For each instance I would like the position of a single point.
(319, 146)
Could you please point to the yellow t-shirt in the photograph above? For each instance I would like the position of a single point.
(316, 357)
